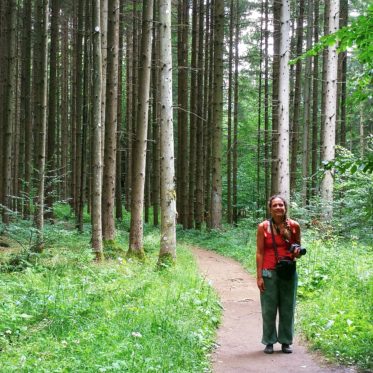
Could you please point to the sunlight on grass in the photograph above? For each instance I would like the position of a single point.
(65, 313)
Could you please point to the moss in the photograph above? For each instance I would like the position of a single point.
(166, 260)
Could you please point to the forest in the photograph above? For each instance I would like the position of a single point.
(133, 130)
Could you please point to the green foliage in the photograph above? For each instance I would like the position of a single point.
(335, 286)
(345, 161)
(358, 38)
(71, 314)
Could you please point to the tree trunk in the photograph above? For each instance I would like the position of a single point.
(275, 95)
(297, 99)
(96, 213)
(42, 16)
(168, 194)
(108, 192)
(104, 52)
(268, 164)
(307, 109)
(52, 112)
(156, 120)
(216, 190)
(235, 117)
(193, 116)
(64, 107)
(119, 155)
(283, 104)
(182, 117)
(229, 114)
(10, 110)
(26, 105)
(330, 113)
(199, 195)
(139, 164)
(315, 102)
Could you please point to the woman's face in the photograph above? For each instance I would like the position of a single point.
(278, 208)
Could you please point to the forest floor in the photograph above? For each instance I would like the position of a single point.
(239, 349)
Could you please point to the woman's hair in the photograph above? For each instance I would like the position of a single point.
(282, 199)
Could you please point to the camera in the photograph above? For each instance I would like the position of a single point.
(294, 246)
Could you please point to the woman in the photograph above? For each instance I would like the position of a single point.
(277, 294)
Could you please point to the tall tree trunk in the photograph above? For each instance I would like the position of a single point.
(26, 104)
(119, 155)
(216, 190)
(96, 212)
(323, 77)
(42, 12)
(77, 158)
(104, 51)
(199, 195)
(85, 120)
(10, 110)
(156, 120)
(283, 104)
(307, 109)
(52, 112)
(235, 115)
(330, 112)
(108, 192)
(193, 116)
(297, 99)
(183, 158)
(315, 102)
(138, 183)
(229, 114)
(259, 126)
(129, 112)
(342, 62)
(168, 194)
(209, 116)
(64, 107)
(275, 95)
(268, 164)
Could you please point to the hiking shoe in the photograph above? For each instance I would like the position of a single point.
(268, 349)
(286, 349)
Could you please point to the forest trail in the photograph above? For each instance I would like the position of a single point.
(239, 349)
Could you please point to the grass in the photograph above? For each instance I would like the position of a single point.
(335, 293)
(63, 313)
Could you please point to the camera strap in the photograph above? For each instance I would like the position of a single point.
(273, 240)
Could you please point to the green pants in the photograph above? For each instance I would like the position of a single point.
(279, 295)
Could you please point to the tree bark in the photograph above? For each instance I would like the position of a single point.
(168, 194)
(139, 164)
(297, 99)
(10, 111)
(216, 190)
(275, 96)
(108, 192)
(42, 12)
(96, 213)
(330, 113)
(283, 103)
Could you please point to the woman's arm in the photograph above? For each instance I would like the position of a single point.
(260, 256)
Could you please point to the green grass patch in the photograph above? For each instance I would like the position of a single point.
(335, 293)
(64, 313)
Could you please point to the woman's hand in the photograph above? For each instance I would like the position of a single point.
(260, 283)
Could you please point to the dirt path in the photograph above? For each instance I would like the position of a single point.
(239, 348)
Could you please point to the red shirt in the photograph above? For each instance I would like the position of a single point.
(269, 258)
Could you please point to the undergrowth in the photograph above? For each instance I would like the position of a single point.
(64, 313)
(335, 293)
